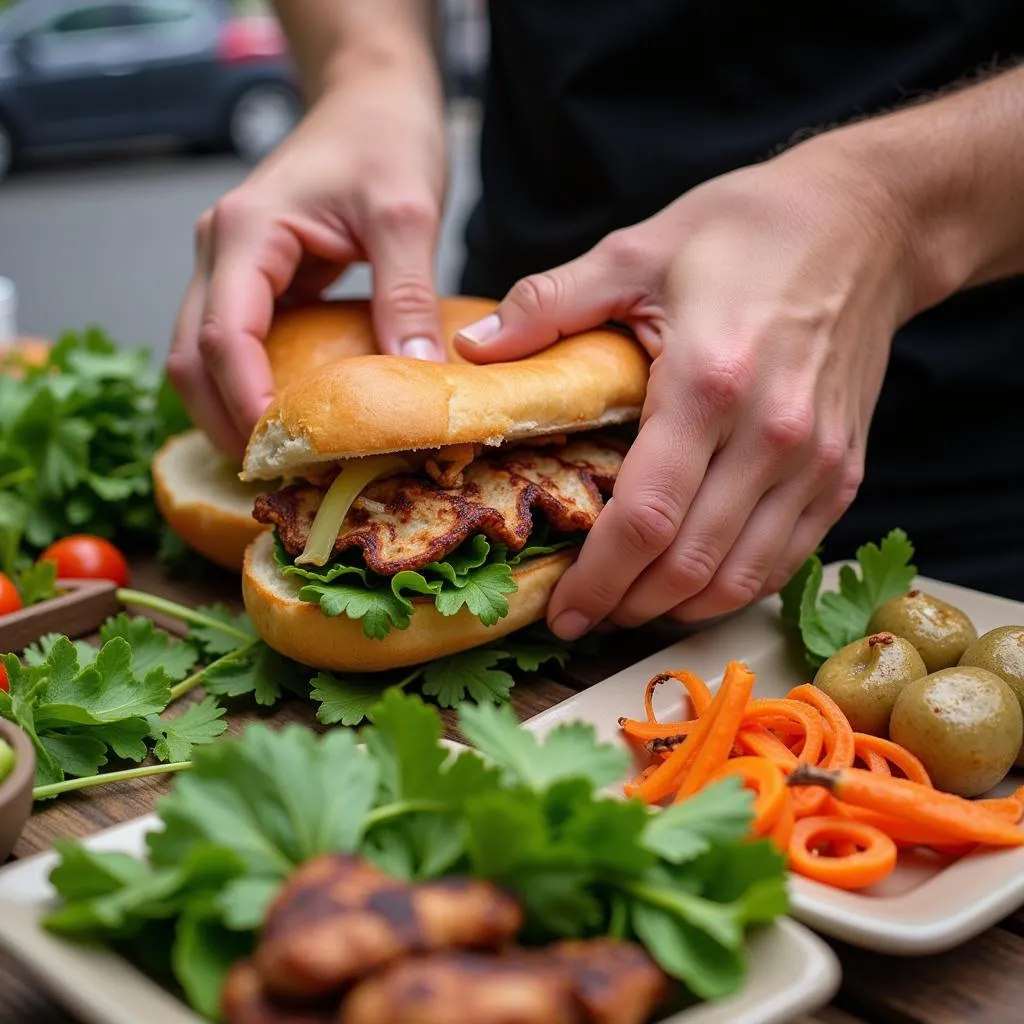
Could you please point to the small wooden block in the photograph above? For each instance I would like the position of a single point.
(80, 608)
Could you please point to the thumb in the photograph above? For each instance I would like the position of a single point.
(542, 308)
(400, 246)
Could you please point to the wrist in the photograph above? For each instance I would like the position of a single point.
(399, 58)
(927, 185)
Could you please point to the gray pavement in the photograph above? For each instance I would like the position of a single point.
(109, 241)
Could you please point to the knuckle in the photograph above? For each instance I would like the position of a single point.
(229, 213)
(411, 295)
(831, 452)
(788, 430)
(180, 371)
(738, 588)
(724, 381)
(213, 338)
(692, 567)
(649, 524)
(543, 293)
(404, 213)
(622, 249)
(848, 487)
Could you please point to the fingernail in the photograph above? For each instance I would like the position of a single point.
(570, 625)
(482, 331)
(419, 348)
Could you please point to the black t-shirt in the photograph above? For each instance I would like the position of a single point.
(601, 112)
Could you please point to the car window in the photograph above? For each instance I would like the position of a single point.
(165, 12)
(89, 19)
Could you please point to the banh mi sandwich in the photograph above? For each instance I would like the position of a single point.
(196, 487)
(431, 507)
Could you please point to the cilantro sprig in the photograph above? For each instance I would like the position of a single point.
(524, 812)
(831, 620)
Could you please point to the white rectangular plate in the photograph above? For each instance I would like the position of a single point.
(928, 904)
(791, 971)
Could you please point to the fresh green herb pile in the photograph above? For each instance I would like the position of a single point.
(831, 620)
(528, 814)
(84, 706)
(77, 435)
(477, 575)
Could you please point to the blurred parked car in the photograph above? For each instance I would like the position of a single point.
(89, 71)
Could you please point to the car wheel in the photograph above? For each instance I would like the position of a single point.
(260, 118)
(6, 150)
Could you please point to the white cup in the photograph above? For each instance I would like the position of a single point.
(8, 311)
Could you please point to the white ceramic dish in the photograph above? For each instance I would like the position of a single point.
(928, 904)
(791, 971)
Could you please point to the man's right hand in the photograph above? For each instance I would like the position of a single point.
(362, 178)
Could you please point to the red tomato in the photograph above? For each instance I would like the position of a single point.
(4, 684)
(84, 557)
(10, 599)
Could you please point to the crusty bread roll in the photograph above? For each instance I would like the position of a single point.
(201, 499)
(299, 630)
(373, 404)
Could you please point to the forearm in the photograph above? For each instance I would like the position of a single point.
(954, 167)
(330, 38)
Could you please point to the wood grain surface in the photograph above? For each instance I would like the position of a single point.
(981, 982)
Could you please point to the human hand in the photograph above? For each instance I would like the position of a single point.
(768, 299)
(361, 178)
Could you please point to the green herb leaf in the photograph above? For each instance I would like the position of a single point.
(152, 648)
(175, 737)
(834, 619)
(345, 699)
(215, 643)
(255, 669)
(483, 592)
(37, 582)
(272, 797)
(568, 751)
(470, 674)
(720, 813)
(204, 951)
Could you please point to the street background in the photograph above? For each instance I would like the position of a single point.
(107, 239)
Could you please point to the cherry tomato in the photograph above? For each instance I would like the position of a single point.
(10, 599)
(4, 684)
(84, 557)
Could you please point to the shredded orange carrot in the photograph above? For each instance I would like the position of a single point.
(655, 730)
(839, 734)
(894, 754)
(913, 803)
(782, 831)
(737, 684)
(775, 712)
(766, 780)
(762, 743)
(696, 688)
(873, 858)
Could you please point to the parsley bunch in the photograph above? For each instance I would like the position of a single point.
(77, 435)
(526, 813)
(831, 620)
(81, 705)
(477, 575)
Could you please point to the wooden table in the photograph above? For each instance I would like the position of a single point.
(982, 982)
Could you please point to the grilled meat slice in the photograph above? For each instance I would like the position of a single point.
(404, 522)
(461, 987)
(339, 918)
(615, 982)
(244, 1000)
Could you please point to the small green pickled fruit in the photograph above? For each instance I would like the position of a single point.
(865, 678)
(940, 632)
(964, 725)
(1001, 651)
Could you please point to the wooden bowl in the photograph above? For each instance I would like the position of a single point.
(16, 789)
